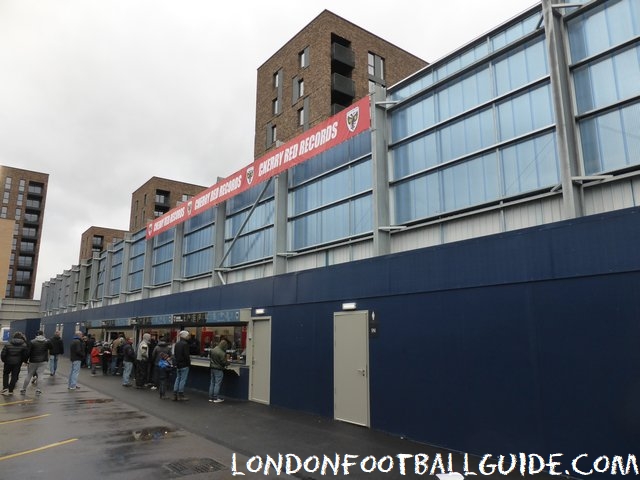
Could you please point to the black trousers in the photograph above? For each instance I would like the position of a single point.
(12, 371)
(142, 373)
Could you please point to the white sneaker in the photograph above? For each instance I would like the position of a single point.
(5, 392)
(218, 400)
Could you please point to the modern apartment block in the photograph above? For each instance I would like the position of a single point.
(325, 67)
(156, 197)
(23, 201)
(97, 239)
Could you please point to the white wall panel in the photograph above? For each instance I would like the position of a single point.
(608, 196)
(479, 225)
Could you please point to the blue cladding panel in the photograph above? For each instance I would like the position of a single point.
(519, 342)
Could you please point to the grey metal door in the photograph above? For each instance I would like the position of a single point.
(351, 367)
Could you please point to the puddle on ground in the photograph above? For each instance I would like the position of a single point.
(149, 434)
(91, 401)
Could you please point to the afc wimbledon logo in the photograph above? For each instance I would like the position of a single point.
(189, 207)
(249, 175)
(352, 119)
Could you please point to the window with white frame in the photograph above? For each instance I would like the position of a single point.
(303, 58)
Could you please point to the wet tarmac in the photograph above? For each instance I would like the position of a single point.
(106, 430)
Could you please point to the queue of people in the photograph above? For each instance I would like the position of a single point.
(157, 366)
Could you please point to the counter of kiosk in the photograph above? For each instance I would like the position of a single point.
(206, 329)
(235, 383)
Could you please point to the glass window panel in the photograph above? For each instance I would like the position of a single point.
(412, 157)
(411, 119)
(415, 86)
(163, 253)
(249, 248)
(416, 199)
(162, 273)
(525, 113)
(198, 263)
(610, 141)
(530, 165)
(361, 215)
(198, 239)
(261, 216)
(331, 188)
(467, 135)
(608, 81)
(609, 24)
(204, 218)
(521, 66)
(135, 281)
(470, 183)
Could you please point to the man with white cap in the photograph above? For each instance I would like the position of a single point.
(142, 361)
(183, 362)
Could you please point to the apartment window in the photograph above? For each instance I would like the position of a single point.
(3, 213)
(5, 197)
(162, 197)
(21, 186)
(275, 106)
(18, 213)
(301, 87)
(29, 232)
(7, 183)
(20, 291)
(276, 79)
(185, 197)
(97, 243)
(27, 247)
(303, 58)
(36, 188)
(274, 133)
(375, 67)
(20, 198)
(301, 117)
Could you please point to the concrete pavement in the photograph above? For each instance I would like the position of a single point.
(117, 432)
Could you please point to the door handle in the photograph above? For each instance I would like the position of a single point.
(362, 371)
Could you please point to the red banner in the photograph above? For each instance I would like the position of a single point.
(338, 128)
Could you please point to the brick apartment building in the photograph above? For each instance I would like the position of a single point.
(156, 197)
(23, 201)
(325, 67)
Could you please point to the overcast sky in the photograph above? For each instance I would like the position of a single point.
(103, 95)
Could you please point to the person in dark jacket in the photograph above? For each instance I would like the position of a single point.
(183, 362)
(13, 355)
(128, 359)
(57, 348)
(38, 359)
(76, 355)
(218, 363)
(162, 374)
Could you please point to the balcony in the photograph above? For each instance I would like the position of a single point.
(336, 107)
(343, 85)
(342, 54)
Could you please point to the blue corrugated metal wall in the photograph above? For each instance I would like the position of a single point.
(518, 342)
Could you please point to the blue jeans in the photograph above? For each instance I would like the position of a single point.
(75, 371)
(215, 383)
(181, 379)
(53, 364)
(126, 372)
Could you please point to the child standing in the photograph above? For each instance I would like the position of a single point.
(96, 354)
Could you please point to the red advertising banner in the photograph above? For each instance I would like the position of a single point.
(338, 128)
